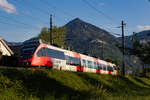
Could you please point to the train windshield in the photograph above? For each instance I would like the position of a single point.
(28, 49)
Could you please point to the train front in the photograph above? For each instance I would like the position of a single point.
(27, 50)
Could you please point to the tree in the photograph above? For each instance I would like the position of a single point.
(136, 47)
(142, 51)
(1, 55)
(58, 35)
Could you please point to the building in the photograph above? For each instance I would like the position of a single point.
(6, 51)
(15, 47)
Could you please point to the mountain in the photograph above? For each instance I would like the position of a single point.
(94, 41)
(143, 37)
(80, 32)
(14, 43)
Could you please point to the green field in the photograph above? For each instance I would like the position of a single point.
(52, 84)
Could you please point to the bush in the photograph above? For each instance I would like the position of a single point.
(10, 89)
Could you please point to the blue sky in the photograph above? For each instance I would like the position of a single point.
(23, 19)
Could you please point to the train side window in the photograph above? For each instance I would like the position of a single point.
(104, 67)
(95, 65)
(110, 68)
(67, 59)
(72, 61)
(42, 52)
(90, 64)
(50, 53)
(100, 66)
(84, 62)
(56, 54)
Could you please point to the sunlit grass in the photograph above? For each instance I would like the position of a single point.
(52, 84)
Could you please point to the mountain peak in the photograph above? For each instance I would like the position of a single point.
(76, 20)
(86, 31)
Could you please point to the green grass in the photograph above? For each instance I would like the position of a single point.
(61, 85)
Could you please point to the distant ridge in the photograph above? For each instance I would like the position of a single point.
(143, 37)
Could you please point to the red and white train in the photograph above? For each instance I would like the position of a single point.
(38, 53)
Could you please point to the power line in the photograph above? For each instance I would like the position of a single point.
(97, 10)
(102, 13)
(18, 22)
(40, 9)
(34, 7)
(9, 23)
(54, 7)
(28, 15)
(115, 34)
(32, 17)
(14, 25)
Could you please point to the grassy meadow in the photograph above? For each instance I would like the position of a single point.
(40, 84)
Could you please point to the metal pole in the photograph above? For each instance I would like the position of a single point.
(123, 47)
(102, 50)
(51, 38)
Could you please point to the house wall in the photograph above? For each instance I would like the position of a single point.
(4, 48)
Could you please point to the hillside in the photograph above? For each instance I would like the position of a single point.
(30, 84)
(92, 40)
(143, 37)
(81, 32)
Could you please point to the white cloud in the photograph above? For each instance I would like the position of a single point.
(7, 7)
(140, 27)
(101, 4)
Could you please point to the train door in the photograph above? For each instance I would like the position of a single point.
(80, 67)
(104, 69)
(95, 67)
(115, 70)
(59, 64)
(84, 65)
(99, 68)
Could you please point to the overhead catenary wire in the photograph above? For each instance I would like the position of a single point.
(18, 22)
(16, 25)
(13, 24)
(55, 8)
(29, 4)
(105, 15)
(29, 15)
(97, 10)
(32, 6)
